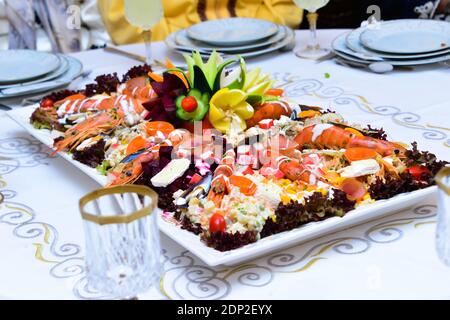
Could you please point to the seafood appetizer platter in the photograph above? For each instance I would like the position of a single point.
(240, 170)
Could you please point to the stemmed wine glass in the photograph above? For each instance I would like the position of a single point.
(144, 14)
(313, 49)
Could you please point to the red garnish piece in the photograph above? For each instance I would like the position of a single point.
(217, 223)
(418, 171)
(189, 104)
(47, 103)
(195, 178)
(266, 124)
(248, 170)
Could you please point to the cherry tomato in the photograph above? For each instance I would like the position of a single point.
(275, 92)
(47, 103)
(417, 171)
(189, 104)
(153, 127)
(217, 223)
(353, 188)
(360, 153)
(136, 144)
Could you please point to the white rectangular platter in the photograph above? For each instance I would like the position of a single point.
(264, 246)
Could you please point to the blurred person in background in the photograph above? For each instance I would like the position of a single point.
(180, 14)
(51, 25)
(337, 14)
(72, 25)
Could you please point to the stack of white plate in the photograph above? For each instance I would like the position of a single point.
(232, 36)
(25, 72)
(406, 42)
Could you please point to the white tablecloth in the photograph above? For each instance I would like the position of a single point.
(41, 237)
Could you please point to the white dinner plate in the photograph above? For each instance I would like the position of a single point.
(412, 62)
(353, 44)
(21, 65)
(409, 36)
(286, 43)
(183, 42)
(340, 45)
(264, 246)
(74, 70)
(232, 31)
(63, 67)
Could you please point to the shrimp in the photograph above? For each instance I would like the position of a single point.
(307, 168)
(389, 168)
(80, 104)
(270, 110)
(128, 173)
(219, 184)
(294, 170)
(180, 137)
(138, 88)
(334, 137)
(93, 126)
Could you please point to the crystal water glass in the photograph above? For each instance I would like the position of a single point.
(443, 224)
(123, 256)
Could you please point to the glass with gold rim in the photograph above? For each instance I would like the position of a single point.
(443, 224)
(122, 240)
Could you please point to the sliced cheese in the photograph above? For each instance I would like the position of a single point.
(360, 168)
(175, 169)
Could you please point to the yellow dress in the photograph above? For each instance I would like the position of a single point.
(180, 14)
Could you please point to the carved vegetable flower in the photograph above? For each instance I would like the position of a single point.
(229, 110)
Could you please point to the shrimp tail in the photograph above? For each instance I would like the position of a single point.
(335, 137)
